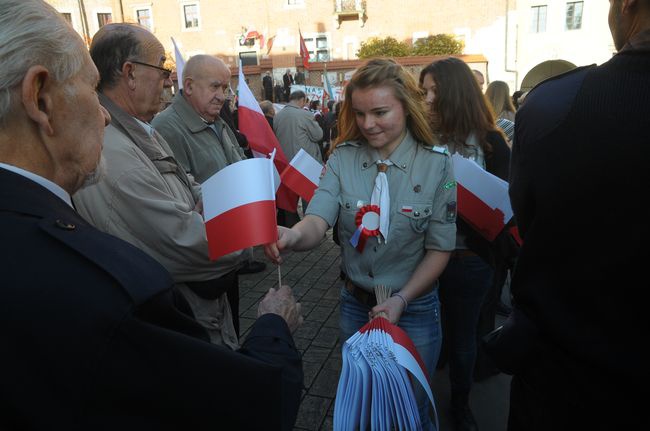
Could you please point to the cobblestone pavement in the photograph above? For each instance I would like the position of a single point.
(314, 277)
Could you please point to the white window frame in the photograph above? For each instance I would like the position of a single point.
(311, 41)
(573, 21)
(297, 4)
(94, 26)
(198, 12)
(538, 8)
(149, 7)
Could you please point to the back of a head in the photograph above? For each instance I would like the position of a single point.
(267, 107)
(34, 33)
(297, 95)
(498, 94)
(460, 105)
(383, 72)
(112, 46)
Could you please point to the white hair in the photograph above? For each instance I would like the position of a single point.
(34, 33)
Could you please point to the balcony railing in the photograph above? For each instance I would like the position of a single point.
(350, 9)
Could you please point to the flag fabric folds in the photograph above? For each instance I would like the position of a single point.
(483, 200)
(328, 87)
(375, 387)
(303, 175)
(261, 139)
(304, 52)
(239, 207)
(180, 64)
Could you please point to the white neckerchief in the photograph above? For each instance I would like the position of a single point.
(381, 198)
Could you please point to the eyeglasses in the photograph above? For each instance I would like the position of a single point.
(166, 72)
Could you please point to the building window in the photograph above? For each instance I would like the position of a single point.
(104, 18)
(67, 16)
(538, 19)
(191, 16)
(318, 47)
(574, 15)
(144, 17)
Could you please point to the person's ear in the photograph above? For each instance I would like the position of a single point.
(36, 97)
(188, 86)
(128, 73)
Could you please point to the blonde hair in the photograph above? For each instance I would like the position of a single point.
(386, 73)
(498, 94)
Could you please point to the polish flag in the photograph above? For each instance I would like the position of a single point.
(304, 52)
(483, 200)
(239, 207)
(180, 64)
(303, 175)
(261, 138)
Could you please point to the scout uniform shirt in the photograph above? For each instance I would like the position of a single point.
(422, 208)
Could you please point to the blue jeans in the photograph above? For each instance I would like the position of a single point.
(463, 286)
(421, 322)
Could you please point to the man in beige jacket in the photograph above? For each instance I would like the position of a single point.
(147, 198)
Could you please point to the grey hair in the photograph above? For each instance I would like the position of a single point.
(34, 33)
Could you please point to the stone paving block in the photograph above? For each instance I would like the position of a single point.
(312, 412)
(245, 324)
(333, 363)
(307, 330)
(306, 307)
(333, 292)
(316, 354)
(325, 384)
(302, 343)
(251, 313)
(328, 423)
(310, 371)
(333, 320)
(313, 294)
(326, 337)
(320, 314)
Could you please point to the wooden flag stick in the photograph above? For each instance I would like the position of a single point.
(279, 277)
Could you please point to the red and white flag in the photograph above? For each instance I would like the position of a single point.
(302, 175)
(261, 138)
(239, 207)
(483, 200)
(304, 52)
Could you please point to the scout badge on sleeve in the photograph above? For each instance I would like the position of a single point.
(367, 220)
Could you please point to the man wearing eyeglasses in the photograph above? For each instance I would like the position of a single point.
(147, 198)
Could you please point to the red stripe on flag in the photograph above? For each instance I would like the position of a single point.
(486, 221)
(242, 227)
(262, 140)
(299, 183)
(304, 52)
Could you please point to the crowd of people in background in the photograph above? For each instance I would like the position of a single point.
(126, 320)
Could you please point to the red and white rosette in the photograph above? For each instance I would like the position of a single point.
(367, 220)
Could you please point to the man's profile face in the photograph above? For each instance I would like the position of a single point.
(208, 92)
(150, 82)
(81, 121)
(616, 26)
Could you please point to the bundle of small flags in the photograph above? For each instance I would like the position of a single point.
(375, 389)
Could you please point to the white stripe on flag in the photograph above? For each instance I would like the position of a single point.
(239, 184)
(307, 165)
(490, 189)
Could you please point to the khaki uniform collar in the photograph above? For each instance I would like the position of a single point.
(401, 157)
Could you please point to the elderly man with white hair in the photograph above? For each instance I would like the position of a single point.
(93, 334)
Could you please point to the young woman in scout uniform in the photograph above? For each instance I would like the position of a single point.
(462, 120)
(393, 192)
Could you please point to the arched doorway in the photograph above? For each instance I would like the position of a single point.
(545, 70)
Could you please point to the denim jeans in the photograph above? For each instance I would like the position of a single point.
(421, 322)
(463, 286)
